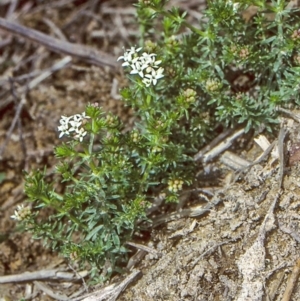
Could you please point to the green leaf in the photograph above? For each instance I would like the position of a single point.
(94, 233)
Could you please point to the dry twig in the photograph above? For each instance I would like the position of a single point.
(145, 248)
(111, 292)
(210, 155)
(191, 212)
(88, 54)
(212, 144)
(47, 290)
(293, 279)
(281, 137)
(233, 161)
(291, 114)
(42, 274)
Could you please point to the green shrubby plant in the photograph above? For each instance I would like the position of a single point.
(183, 88)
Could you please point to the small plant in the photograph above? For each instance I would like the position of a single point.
(183, 88)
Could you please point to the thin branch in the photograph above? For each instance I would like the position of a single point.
(111, 292)
(281, 137)
(47, 290)
(42, 274)
(293, 279)
(210, 155)
(88, 54)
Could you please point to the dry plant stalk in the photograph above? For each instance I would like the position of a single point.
(291, 282)
(82, 52)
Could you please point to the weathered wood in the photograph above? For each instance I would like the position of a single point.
(85, 53)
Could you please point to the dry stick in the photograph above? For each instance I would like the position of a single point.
(233, 161)
(211, 249)
(135, 259)
(50, 4)
(47, 290)
(222, 146)
(26, 76)
(272, 290)
(79, 276)
(145, 248)
(55, 29)
(42, 274)
(291, 114)
(88, 54)
(212, 144)
(4, 43)
(111, 292)
(291, 282)
(91, 7)
(12, 8)
(258, 161)
(191, 212)
(281, 138)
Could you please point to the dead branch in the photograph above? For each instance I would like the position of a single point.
(191, 212)
(293, 279)
(211, 154)
(47, 290)
(42, 274)
(281, 137)
(145, 248)
(111, 292)
(233, 161)
(85, 53)
(213, 144)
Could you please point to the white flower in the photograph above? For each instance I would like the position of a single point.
(75, 124)
(152, 76)
(77, 117)
(138, 67)
(148, 58)
(21, 213)
(64, 130)
(129, 56)
(72, 125)
(64, 120)
(147, 82)
(145, 65)
(80, 133)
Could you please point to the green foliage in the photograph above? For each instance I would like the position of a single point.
(183, 88)
(265, 50)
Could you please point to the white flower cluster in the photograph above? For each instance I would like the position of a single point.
(144, 65)
(21, 213)
(72, 126)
